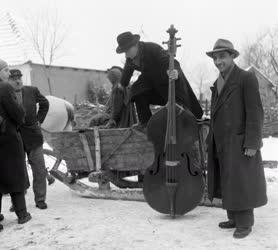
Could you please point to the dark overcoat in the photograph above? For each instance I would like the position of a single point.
(30, 130)
(122, 110)
(154, 63)
(236, 124)
(13, 174)
(118, 108)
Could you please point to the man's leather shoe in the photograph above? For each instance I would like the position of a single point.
(25, 218)
(1, 217)
(227, 224)
(242, 232)
(41, 205)
(1, 227)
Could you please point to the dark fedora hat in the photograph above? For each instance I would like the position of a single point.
(125, 41)
(15, 73)
(223, 45)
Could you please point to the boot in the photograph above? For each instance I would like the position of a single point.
(227, 224)
(41, 205)
(25, 218)
(242, 232)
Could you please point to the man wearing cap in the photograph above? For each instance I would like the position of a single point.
(151, 86)
(29, 97)
(13, 174)
(235, 172)
(119, 112)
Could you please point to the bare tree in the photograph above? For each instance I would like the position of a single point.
(263, 53)
(46, 33)
(202, 79)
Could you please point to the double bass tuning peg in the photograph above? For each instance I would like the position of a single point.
(178, 39)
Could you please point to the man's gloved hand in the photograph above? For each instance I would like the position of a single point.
(250, 152)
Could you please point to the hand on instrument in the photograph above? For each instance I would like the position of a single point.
(250, 152)
(173, 74)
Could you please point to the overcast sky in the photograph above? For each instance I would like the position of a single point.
(95, 24)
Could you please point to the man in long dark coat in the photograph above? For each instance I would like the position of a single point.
(151, 86)
(235, 171)
(13, 174)
(29, 97)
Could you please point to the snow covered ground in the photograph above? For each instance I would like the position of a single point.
(73, 222)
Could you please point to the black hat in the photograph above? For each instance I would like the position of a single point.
(125, 41)
(15, 73)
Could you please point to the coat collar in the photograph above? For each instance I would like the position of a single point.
(229, 87)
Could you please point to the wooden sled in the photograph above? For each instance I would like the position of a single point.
(106, 163)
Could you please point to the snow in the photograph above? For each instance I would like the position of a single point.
(270, 149)
(74, 222)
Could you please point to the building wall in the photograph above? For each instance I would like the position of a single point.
(268, 95)
(68, 83)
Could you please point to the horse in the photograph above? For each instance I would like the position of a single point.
(60, 116)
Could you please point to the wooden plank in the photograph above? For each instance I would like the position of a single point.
(97, 149)
(87, 151)
(129, 162)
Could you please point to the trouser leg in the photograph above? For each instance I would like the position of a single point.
(18, 200)
(0, 203)
(230, 215)
(244, 218)
(143, 101)
(143, 109)
(36, 160)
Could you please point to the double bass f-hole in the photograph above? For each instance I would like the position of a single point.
(192, 172)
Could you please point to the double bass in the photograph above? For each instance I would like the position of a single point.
(174, 183)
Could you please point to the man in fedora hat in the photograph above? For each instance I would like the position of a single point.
(235, 172)
(151, 86)
(29, 97)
